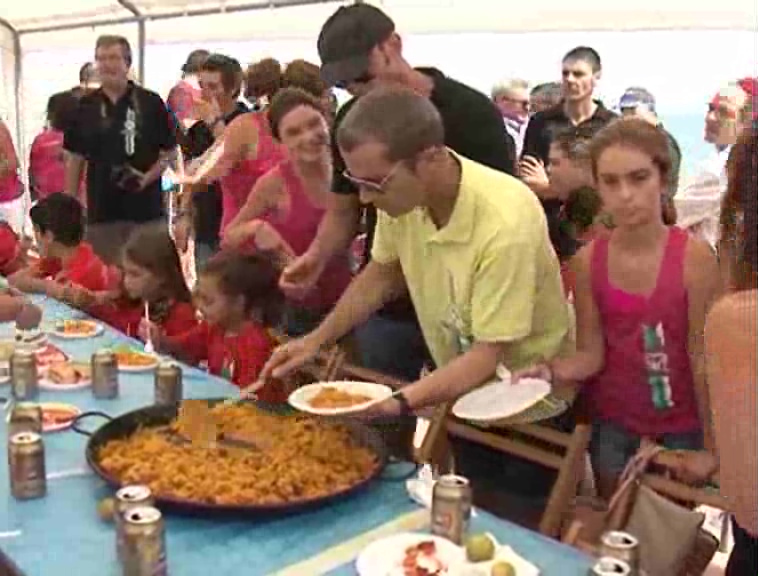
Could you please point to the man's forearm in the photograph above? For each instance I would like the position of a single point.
(74, 165)
(335, 233)
(166, 157)
(376, 285)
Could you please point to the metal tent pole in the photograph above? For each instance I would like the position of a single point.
(17, 69)
(141, 37)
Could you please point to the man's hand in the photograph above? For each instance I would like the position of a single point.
(289, 357)
(533, 173)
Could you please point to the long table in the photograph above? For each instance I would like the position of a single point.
(61, 533)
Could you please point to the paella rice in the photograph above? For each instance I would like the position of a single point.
(303, 458)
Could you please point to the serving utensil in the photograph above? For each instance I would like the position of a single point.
(149, 348)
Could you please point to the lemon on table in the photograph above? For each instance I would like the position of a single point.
(106, 509)
(479, 548)
(502, 568)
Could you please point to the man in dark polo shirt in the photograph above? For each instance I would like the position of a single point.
(577, 112)
(220, 79)
(125, 135)
(360, 50)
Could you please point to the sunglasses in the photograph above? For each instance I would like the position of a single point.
(376, 187)
(363, 79)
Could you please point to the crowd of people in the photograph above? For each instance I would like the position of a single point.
(537, 230)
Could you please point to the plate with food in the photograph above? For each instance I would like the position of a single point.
(131, 360)
(76, 329)
(410, 554)
(57, 416)
(66, 376)
(340, 397)
(500, 399)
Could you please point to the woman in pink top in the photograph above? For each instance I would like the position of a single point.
(247, 150)
(47, 173)
(642, 293)
(286, 206)
(12, 205)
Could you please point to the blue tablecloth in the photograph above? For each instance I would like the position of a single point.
(61, 533)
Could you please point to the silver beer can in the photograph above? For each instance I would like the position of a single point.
(104, 375)
(26, 464)
(609, 566)
(144, 543)
(623, 546)
(24, 378)
(451, 507)
(168, 384)
(128, 498)
(25, 417)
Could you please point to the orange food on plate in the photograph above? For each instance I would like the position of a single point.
(50, 355)
(331, 397)
(134, 359)
(77, 327)
(421, 560)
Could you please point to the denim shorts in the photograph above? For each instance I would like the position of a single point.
(611, 447)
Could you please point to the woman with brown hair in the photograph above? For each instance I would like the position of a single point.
(642, 292)
(731, 340)
(247, 150)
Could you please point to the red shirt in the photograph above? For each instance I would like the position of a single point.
(125, 316)
(84, 269)
(10, 250)
(46, 170)
(237, 357)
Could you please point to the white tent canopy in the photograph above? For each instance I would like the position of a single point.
(57, 26)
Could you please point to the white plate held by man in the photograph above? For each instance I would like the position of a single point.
(338, 398)
(500, 399)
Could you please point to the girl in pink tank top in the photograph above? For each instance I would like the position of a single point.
(641, 296)
(289, 202)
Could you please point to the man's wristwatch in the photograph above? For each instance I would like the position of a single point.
(405, 407)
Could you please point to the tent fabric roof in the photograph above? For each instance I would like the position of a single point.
(413, 15)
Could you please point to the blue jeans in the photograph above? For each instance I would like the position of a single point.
(393, 347)
(203, 253)
(611, 448)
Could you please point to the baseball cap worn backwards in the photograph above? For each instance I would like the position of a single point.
(346, 41)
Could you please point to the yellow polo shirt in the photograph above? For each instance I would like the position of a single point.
(489, 275)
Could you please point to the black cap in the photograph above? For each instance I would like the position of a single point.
(195, 60)
(346, 41)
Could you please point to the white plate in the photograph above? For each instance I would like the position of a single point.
(46, 384)
(64, 425)
(385, 557)
(500, 399)
(97, 330)
(301, 398)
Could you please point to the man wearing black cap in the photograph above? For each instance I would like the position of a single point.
(359, 51)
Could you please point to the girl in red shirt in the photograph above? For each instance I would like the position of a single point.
(238, 296)
(642, 292)
(150, 273)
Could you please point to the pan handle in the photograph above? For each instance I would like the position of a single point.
(75, 424)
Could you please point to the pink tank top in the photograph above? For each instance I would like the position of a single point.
(46, 166)
(298, 227)
(646, 385)
(237, 185)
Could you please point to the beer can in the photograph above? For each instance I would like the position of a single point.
(104, 375)
(24, 381)
(26, 463)
(127, 499)
(144, 543)
(25, 417)
(168, 384)
(451, 507)
(608, 566)
(621, 545)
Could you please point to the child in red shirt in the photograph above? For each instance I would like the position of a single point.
(67, 264)
(151, 273)
(238, 297)
(12, 257)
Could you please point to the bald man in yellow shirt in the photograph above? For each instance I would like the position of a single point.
(469, 244)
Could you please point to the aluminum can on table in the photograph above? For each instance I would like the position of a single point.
(26, 466)
(609, 566)
(104, 375)
(144, 543)
(128, 498)
(623, 546)
(451, 507)
(168, 384)
(24, 378)
(25, 417)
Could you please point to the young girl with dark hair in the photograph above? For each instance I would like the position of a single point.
(642, 293)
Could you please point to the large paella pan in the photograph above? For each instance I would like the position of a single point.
(301, 462)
